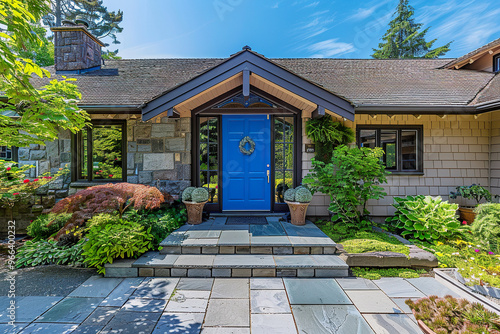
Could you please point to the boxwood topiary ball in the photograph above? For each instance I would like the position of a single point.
(199, 195)
(290, 195)
(186, 194)
(303, 195)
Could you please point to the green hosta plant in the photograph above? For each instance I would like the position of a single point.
(426, 218)
(486, 226)
(37, 253)
(351, 178)
(107, 242)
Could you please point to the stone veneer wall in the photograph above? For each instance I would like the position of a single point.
(159, 154)
(456, 152)
(49, 158)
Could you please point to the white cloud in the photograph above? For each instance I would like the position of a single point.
(312, 4)
(364, 13)
(469, 26)
(330, 48)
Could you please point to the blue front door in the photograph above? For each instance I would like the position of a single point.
(245, 178)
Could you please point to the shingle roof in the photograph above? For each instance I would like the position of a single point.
(490, 93)
(361, 81)
(471, 54)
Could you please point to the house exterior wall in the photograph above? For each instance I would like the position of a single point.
(456, 153)
(495, 153)
(159, 154)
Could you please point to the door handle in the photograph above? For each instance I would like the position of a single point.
(268, 176)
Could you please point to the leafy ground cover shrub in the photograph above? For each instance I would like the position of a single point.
(339, 232)
(108, 198)
(452, 315)
(351, 178)
(107, 242)
(486, 226)
(369, 245)
(46, 225)
(160, 222)
(473, 261)
(35, 253)
(377, 273)
(426, 218)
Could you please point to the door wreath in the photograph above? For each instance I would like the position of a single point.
(243, 142)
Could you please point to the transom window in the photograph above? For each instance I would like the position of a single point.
(496, 63)
(402, 146)
(239, 101)
(101, 152)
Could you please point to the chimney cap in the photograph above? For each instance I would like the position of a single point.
(246, 47)
(81, 21)
(68, 23)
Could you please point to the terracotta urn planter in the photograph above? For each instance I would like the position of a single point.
(298, 212)
(194, 212)
(423, 326)
(467, 214)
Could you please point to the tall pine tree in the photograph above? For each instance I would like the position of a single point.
(102, 23)
(404, 40)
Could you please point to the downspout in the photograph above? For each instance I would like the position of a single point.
(489, 152)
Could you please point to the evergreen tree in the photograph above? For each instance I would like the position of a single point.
(404, 40)
(102, 23)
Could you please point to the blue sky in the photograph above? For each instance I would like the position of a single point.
(291, 28)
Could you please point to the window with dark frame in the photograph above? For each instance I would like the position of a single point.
(402, 146)
(6, 153)
(101, 152)
(209, 156)
(284, 134)
(496, 63)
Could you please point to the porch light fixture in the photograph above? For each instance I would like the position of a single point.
(417, 116)
(442, 116)
(373, 116)
(391, 116)
(476, 116)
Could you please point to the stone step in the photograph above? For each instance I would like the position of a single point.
(275, 238)
(248, 249)
(154, 264)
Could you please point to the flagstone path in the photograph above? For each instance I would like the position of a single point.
(224, 305)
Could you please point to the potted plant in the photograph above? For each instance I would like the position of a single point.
(326, 133)
(474, 192)
(194, 199)
(298, 200)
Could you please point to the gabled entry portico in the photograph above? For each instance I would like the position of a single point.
(247, 97)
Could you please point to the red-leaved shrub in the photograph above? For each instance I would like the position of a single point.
(106, 198)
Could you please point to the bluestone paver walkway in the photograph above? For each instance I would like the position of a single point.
(224, 305)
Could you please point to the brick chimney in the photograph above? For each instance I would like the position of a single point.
(76, 49)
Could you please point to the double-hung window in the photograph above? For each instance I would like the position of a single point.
(496, 63)
(402, 146)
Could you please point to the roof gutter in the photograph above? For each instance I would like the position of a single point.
(119, 109)
(422, 110)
